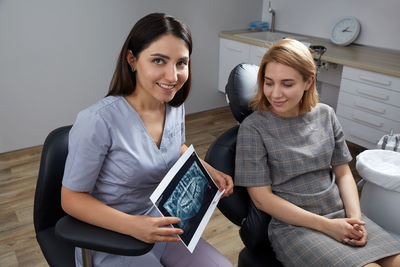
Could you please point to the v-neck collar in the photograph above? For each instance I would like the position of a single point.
(167, 107)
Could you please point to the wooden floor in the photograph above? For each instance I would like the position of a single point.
(18, 174)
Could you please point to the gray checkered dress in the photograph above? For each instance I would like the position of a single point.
(294, 156)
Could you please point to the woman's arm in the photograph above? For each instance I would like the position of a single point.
(348, 190)
(84, 207)
(265, 200)
(223, 180)
(349, 194)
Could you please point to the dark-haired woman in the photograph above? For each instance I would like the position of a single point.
(121, 147)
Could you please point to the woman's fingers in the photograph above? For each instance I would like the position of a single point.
(349, 231)
(355, 234)
(359, 242)
(167, 234)
(354, 231)
(156, 229)
(164, 221)
(228, 185)
(348, 241)
(222, 180)
(163, 238)
(166, 231)
(354, 221)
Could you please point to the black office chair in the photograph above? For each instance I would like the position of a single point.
(238, 207)
(57, 233)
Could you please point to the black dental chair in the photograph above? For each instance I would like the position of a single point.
(238, 207)
(57, 233)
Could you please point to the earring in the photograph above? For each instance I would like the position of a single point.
(133, 69)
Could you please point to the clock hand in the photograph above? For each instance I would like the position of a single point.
(345, 29)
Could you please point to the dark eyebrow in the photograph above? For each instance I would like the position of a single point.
(167, 57)
(184, 58)
(160, 55)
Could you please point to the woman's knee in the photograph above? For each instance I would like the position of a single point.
(390, 261)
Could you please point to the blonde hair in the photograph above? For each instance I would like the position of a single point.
(296, 55)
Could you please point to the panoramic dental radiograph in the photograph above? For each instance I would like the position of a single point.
(186, 200)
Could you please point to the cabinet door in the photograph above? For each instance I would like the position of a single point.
(256, 54)
(231, 53)
(368, 106)
(372, 78)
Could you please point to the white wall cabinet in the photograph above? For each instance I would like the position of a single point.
(256, 54)
(232, 53)
(368, 106)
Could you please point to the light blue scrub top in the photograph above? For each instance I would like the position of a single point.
(112, 156)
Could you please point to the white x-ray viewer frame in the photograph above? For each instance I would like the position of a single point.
(160, 191)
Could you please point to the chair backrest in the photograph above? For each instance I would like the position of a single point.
(238, 208)
(58, 234)
(47, 206)
(240, 88)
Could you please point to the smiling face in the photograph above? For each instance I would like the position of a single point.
(161, 69)
(284, 88)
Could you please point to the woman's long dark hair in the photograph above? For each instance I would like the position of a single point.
(147, 30)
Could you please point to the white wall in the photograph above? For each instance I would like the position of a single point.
(379, 20)
(206, 19)
(57, 57)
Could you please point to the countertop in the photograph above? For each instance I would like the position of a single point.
(357, 56)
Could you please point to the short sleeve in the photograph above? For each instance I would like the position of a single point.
(341, 154)
(88, 145)
(251, 166)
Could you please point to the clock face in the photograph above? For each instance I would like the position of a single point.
(345, 31)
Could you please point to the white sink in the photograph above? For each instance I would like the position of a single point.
(269, 37)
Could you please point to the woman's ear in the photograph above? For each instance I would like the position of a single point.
(309, 82)
(131, 59)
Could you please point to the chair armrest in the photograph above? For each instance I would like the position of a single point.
(88, 236)
(221, 155)
(254, 230)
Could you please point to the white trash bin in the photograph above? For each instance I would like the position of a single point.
(380, 197)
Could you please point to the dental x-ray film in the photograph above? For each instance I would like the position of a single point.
(187, 191)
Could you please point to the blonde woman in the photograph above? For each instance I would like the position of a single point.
(292, 156)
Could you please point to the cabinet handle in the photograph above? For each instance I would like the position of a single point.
(370, 108)
(365, 120)
(234, 49)
(376, 81)
(361, 137)
(374, 95)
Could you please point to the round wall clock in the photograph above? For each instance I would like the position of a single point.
(345, 31)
